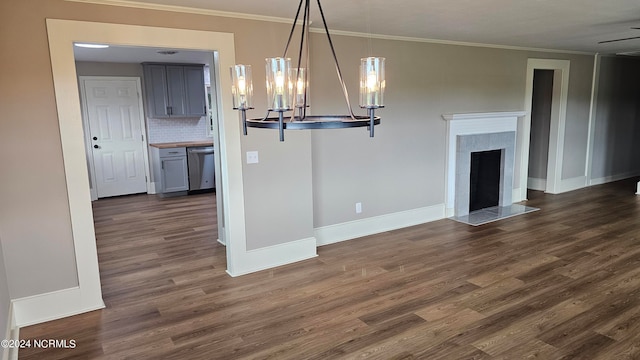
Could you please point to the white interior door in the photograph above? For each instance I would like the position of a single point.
(116, 136)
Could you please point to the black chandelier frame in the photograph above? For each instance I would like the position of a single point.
(302, 121)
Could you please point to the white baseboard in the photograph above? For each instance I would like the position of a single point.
(537, 184)
(151, 189)
(12, 333)
(276, 255)
(4, 352)
(51, 306)
(516, 196)
(358, 228)
(566, 185)
(612, 178)
(15, 335)
(449, 212)
(571, 184)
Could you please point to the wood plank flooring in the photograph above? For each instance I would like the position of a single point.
(560, 283)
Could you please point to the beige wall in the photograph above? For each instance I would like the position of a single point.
(309, 180)
(34, 215)
(5, 300)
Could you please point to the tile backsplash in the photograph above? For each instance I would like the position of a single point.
(177, 129)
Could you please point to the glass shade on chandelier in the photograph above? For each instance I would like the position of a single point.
(279, 90)
(242, 87)
(242, 91)
(372, 83)
(299, 88)
(287, 87)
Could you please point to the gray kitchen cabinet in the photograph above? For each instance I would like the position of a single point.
(170, 170)
(174, 90)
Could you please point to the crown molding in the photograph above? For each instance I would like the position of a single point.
(448, 42)
(184, 9)
(209, 12)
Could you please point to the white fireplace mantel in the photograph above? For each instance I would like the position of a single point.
(471, 124)
(484, 115)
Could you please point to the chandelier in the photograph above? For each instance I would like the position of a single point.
(287, 88)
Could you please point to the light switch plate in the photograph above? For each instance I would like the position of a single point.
(252, 157)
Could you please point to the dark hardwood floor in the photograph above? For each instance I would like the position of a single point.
(560, 283)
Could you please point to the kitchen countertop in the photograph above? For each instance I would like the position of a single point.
(182, 144)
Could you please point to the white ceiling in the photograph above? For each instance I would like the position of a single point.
(570, 25)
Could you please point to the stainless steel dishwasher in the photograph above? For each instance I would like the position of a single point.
(200, 161)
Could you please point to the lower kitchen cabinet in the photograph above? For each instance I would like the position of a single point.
(170, 170)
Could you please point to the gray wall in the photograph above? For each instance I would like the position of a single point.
(577, 120)
(403, 166)
(616, 148)
(5, 299)
(540, 122)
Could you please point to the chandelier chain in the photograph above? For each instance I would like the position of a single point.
(335, 60)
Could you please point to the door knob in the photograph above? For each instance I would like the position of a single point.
(95, 138)
(96, 147)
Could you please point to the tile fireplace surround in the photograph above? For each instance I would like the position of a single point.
(473, 132)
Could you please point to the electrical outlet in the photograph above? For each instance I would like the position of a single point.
(252, 157)
(358, 208)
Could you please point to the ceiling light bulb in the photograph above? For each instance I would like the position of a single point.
(372, 81)
(242, 85)
(92, 46)
(279, 82)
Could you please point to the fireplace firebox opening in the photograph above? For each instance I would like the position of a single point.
(486, 168)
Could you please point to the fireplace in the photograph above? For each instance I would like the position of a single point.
(480, 161)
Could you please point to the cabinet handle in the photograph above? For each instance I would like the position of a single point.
(162, 164)
(169, 110)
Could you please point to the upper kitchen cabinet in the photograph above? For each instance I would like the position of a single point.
(174, 90)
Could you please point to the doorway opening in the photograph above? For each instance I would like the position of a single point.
(122, 179)
(62, 34)
(553, 86)
(541, 110)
